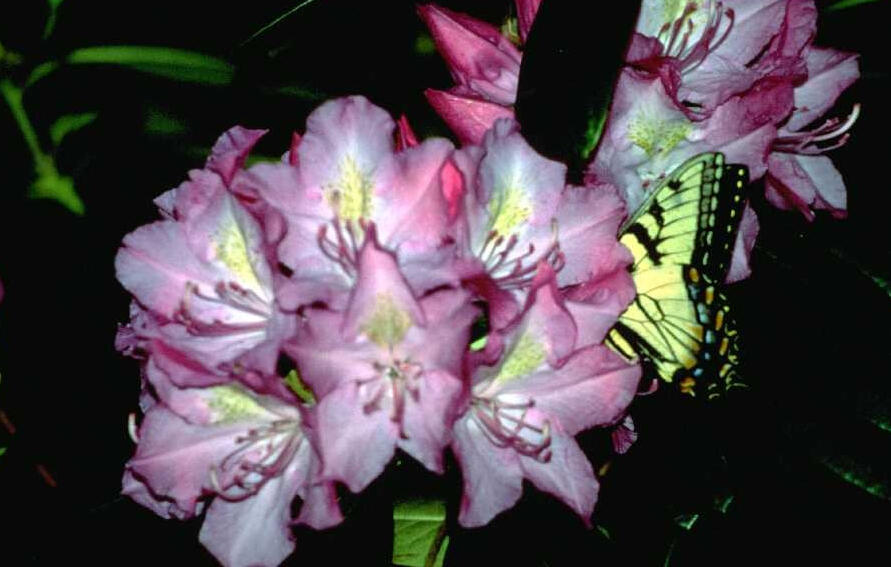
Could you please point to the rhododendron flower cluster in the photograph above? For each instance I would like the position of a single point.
(364, 259)
(740, 77)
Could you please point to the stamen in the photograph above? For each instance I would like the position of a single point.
(499, 424)
(677, 44)
(808, 142)
(501, 257)
(335, 251)
(402, 376)
(228, 294)
(521, 275)
(276, 445)
(492, 238)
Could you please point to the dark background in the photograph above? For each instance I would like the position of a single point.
(813, 316)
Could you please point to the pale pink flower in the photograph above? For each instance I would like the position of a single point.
(240, 458)
(518, 213)
(347, 173)
(522, 413)
(386, 370)
(204, 274)
(799, 175)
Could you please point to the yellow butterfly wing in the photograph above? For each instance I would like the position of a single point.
(682, 240)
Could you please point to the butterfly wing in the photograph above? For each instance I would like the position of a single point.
(682, 240)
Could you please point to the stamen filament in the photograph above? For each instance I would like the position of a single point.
(282, 439)
(505, 430)
(807, 142)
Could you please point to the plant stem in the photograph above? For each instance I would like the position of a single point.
(13, 96)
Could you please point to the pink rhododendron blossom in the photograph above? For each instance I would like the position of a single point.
(518, 212)
(365, 256)
(250, 454)
(204, 276)
(647, 137)
(387, 370)
(738, 60)
(513, 201)
(746, 77)
(484, 63)
(522, 414)
(349, 173)
(707, 52)
(469, 118)
(481, 60)
(799, 176)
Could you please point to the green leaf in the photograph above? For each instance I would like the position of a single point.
(844, 4)
(880, 280)
(166, 62)
(686, 521)
(722, 503)
(419, 533)
(296, 91)
(875, 407)
(859, 474)
(68, 123)
(58, 188)
(41, 71)
(51, 18)
(160, 122)
(2, 451)
(865, 467)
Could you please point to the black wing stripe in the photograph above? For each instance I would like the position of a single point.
(689, 224)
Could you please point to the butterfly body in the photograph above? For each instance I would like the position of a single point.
(682, 237)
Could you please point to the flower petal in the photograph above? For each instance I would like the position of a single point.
(526, 11)
(355, 445)
(443, 343)
(804, 182)
(140, 493)
(382, 305)
(478, 56)
(742, 249)
(593, 387)
(346, 141)
(428, 418)
(230, 151)
(155, 264)
(467, 116)
(567, 474)
(415, 215)
(256, 530)
(830, 72)
(493, 481)
(174, 458)
(587, 222)
(325, 359)
(320, 509)
(547, 317)
(624, 435)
